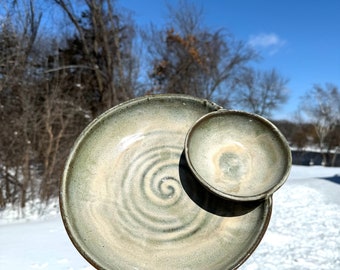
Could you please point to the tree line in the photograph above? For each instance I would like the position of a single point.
(53, 83)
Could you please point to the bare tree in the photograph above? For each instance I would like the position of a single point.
(49, 91)
(104, 40)
(61, 120)
(260, 92)
(321, 107)
(187, 58)
(19, 33)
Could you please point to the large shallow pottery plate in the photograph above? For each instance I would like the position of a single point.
(129, 201)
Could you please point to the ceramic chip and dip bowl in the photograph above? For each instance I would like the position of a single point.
(238, 155)
(171, 182)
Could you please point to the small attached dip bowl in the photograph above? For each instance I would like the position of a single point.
(238, 155)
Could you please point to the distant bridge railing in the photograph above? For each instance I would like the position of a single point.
(310, 158)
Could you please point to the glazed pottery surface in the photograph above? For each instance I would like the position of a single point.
(238, 155)
(129, 200)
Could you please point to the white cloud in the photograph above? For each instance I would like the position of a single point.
(271, 41)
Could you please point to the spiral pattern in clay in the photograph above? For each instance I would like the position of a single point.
(151, 196)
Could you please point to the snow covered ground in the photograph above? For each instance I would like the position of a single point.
(304, 232)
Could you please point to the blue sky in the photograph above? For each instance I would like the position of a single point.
(301, 39)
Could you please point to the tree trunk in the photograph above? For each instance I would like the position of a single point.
(26, 179)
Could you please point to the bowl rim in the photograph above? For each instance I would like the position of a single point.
(256, 196)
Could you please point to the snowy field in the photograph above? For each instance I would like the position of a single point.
(304, 232)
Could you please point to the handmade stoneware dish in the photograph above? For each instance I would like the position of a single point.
(238, 155)
(129, 201)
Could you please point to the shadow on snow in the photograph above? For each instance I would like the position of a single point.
(335, 179)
